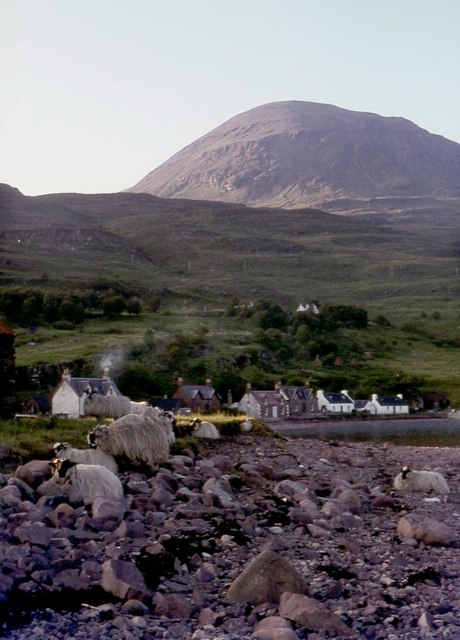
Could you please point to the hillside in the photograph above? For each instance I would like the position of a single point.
(215, 250)
(296, 154)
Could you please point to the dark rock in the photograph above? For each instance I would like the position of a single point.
(122, 579)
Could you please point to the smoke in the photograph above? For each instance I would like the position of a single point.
(112, 360)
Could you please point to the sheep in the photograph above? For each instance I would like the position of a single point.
(86, 482)
(64, 451)
(423, 481)
(205, 429)
(106, 406)
(140, 438)
(247, 425)
(138, 407)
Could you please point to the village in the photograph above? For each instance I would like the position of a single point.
(282, 403)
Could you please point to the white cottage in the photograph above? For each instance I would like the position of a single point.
(69, 396)
(387, 405)
(334, 402)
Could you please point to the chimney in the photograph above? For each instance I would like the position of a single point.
(278, 385)
(209, 382)
(66, 373)
(344, 392)
(106, 374)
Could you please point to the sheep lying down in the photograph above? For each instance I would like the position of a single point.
(86, 482)
(421, 481)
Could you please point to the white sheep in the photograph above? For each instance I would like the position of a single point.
(205, 429)
(422, 481)
(139, 438)
(106, 406)
(86, 482)
(64, 451)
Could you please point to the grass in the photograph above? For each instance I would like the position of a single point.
(34, 438)
(402, 264)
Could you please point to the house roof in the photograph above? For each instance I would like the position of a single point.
(273, 398)
(337, 398)
(206, 392)
(99, 385)
(291, 393)
(360, 404)
(167, 404)
(390, 401)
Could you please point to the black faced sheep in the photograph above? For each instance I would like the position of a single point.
(139, 438)
(86, 482)
(422, 481)
(205, 429)
(64, 451)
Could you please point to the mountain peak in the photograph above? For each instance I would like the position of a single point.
(293, 154)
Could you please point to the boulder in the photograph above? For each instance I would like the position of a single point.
(123, 579)
(274, 628)
(311, 614)
(34, 472)
(427, 530)
(265, 578)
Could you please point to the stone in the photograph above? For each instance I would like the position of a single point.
(265, 578)
(34, 533)
(427, 530)
(135, 607)
(174, 605)
(105, 508)
(318, 532)
(26, 492)
(123, 579)
(349, 500)
(311, 614)
(34, 472)
(274, 628)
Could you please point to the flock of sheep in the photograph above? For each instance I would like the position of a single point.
(142, 438)
(145, 438)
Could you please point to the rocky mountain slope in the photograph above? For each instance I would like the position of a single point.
(294, 154)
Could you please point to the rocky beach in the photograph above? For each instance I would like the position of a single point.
(252, 538)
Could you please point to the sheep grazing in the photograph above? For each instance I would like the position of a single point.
(64, 451)
(205, 429)
(422, 481)
(141, 439)
(86, 482)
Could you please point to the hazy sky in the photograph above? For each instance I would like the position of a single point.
(94, 94)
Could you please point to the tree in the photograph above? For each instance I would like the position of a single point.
(113, 306)
(269, 315)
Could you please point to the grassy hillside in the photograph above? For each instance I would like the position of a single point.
(403, 263)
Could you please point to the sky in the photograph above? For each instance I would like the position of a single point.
(95, 94)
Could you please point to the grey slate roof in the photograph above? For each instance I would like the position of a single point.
(391, 401)
(204, 390)
(339, 398)
(101, 386)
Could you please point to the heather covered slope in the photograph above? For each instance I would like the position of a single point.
(295, 154)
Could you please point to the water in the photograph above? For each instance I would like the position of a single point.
(441, 432)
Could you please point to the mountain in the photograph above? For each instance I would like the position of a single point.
(295, 154)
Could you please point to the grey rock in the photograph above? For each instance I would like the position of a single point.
(265, 578)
